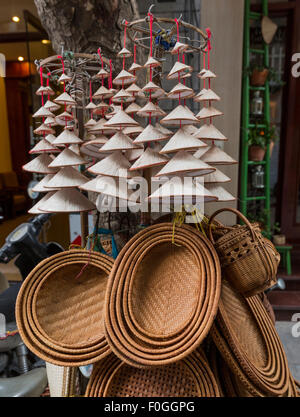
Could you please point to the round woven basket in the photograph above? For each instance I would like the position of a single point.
(162, 297)
(59, 309)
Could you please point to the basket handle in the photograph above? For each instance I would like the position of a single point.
(235, 211)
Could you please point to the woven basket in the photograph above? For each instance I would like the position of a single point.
(248, 263)
(161, 297)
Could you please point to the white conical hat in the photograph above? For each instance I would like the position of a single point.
(90, 185)
(179, 115)
(179, 47)
(43, 146)
(36, 208)
(132, 108)
(66, 137)
(114, 165)
(101, 93)
(220, 192)
(179, 69)
(209, 132)
(183, 163)
(182, 140)
(151, 109)
(102, 74)
(64, 98)
(150, 134)
(133, 131)
(43, 112)
(50, 138)
(216, 177)
(174, 191)
(65, 116)
(180, 91)
(124, 53)
(206, 73)
(216, 156)
(67, 158)
(163, 129)
(152, 62)
(134, 154)
(66, 177)
(133, 89)
(90, 123)
(151, 87)
(189, 129)
(123, 96)
(40, 165)
(40, 186)
(200, 152)
(114, 108)
(50, 121)
(41, 90)
(43, 130)
(51, 106)
(67, 200)
(90, 106)
(119, 141)
(135, 67)
(74, 148)
(64, 78)
(149, 158)
(207, 112)
(124, 77)
(101, 108)
(100, 127)
(209, 95)
(120, 119)
(109, 186)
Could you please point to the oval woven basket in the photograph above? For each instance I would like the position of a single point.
(59, 309)
(161, 297)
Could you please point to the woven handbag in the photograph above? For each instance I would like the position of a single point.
(247, 259)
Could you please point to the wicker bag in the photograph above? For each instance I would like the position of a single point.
(248, 261)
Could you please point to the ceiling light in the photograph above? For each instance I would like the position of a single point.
(20, 58)
(15, 19)
(46, 41)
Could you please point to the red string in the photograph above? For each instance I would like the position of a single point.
(208, 31)
(177, 24)
(124, 42)
(63, 67)
(48, 83)
(41, 76)
(110, 75)
(134, 53)
(151, 25)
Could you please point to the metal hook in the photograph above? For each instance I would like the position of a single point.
(180, 17)
(150, 8)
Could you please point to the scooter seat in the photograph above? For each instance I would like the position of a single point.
(12, 340)
(31, 384)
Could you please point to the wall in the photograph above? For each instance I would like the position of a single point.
(5, 157)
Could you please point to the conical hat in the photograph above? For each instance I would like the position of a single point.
(65, 116)
(152, 62)
(68, 200)
(209, 132)
(50, 121)
(133, 108)
(216, 177)
(151, 87)
(124, 77)
(109, 186)
(179, 47)
(163, 129)
(184, 163)
(133, 89)
(90, 185)
(190, 129)
(43, 112)
(207, 95)
(40, 186)
(100, 127)
(64, 98)
(200, 152)
(182, 140)
(43, 130)
(40, 165)
(201, 92)
(102, 93)
(150, 134)
(149, 158)
(51, 106)
(268, 29)
(36, 208)
(179, 115)
(64, 78)
(114, 165)
(41, 90)
(74, 148)
(66, 177)
(133, 131)
(43, 146)
(220, 192)
(205, 74)
(207, 112)
(67, 158)
(114, 108)
(151, 109)
(90, 106)
(174, 191)
(180, 91)
(66, 137)
(102, 74)
(119, 141)
(216, 156)
(120, 119)
(124, 53)
(101, 108)
(90, 123)
(134, 154)
(50, 138)
(135, 67)
(179, 69)
(123, 96)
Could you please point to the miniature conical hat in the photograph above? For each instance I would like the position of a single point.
(149, 158)
(64, 78)
(175, 190)
(123, 96)
(67, 201)
(43, 112)
(163, 129)
(41, 90)
(109, 186)
(152, 62)
(100, 127)
(180, 91)
(216, 177)
(268, 29)
(40, 186)
(40, 165)
(207, 95)
(50, 138)
(74, 148)
(90, 123)
(50, 121)
(124, 53)
(67, 158)
(201, 92)
(66, 177)
(150, 134)
(220, 192)
(179, 47)
(182, 140)
(121, 119)
(134, 154)
(183, 162)
(205, 74)
(91, 147)
(43, 130)
(119, 141)
(90, 185)
(133, 89)
(215, 156)
(189, 129)
(114, 165)
(179, 69)
(102, 74)
(101, 93)
(124, 77)
(133, 131)
(209, 132)
(200, 152)
(151, 87)
(151, 109)
(133, 108)
(180, 115)
(66, 137)
(64, 98)
(36, 208)
(91, 106)
(101, 108)
(135, 67)
(207, 112)
(114, 108)
(65, 116)
(51, 106)
(44, 146)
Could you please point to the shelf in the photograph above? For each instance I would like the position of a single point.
(255, 15)
(257, 51)
(261, 197)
